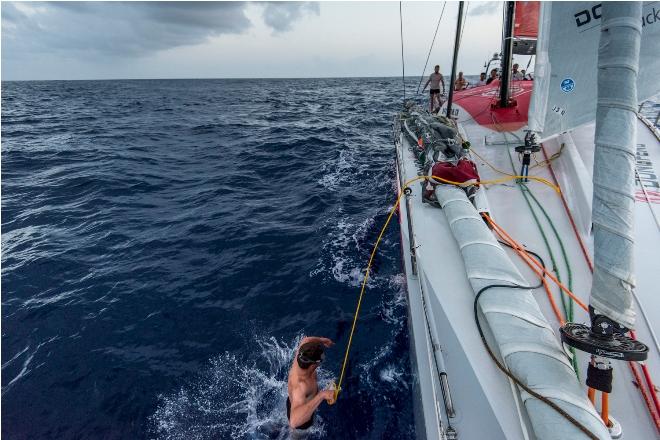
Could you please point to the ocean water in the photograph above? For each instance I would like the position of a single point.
(166, 244)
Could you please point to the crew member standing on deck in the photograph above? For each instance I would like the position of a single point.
(435, 79)
(304, 395)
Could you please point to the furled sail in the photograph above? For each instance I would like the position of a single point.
(525, 27)
(614, 163)
(565, 75)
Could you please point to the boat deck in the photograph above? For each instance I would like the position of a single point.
(487, 404)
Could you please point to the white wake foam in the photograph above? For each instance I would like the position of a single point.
(342, 253)
(235, 398)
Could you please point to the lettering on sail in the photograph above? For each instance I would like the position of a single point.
(647, 177)
(590, 17)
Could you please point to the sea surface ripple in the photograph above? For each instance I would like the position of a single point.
(166, 243)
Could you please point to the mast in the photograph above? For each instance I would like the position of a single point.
(507, 55)
(457, 42)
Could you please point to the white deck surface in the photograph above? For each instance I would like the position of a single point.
(483, 396)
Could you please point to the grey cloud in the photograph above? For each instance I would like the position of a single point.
(281, 15)
(483, 8)
(128, 29)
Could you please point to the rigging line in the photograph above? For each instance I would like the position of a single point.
(568, 309)
(431, 48)
(467, 6)
(585, 252)
(528, 260)
(526, 192)
(561, 247)
(498, 229)
(642, 309)
(655, 415)
(403, 63)
(490, 165)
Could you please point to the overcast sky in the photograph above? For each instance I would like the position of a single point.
(104, 40)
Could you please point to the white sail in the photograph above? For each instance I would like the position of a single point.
(565, 88)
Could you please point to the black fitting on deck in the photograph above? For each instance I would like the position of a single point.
(599, 379)
(531, 146)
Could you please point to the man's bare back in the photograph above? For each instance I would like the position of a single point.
(304, 394)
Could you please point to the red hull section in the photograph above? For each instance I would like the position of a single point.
(479, 104)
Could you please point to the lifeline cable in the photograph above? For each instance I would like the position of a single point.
(431, 48)
(403, 63)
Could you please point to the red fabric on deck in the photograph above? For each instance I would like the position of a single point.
(462, 172)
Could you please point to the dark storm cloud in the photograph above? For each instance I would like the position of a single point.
(130, 28)
(281, 15)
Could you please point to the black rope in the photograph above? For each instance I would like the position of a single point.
(431, 48)
(537, 256)
(403, 63)
(506, 371)
(503, 368)
(467, 7)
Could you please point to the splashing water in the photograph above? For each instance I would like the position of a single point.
(236, 398)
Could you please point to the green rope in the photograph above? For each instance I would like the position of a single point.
(569, 315)
(568, 309)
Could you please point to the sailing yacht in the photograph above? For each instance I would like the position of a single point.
(526, 317)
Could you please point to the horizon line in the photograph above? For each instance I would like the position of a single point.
(218, 78)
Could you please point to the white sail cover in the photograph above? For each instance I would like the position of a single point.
(521, 335)
(567, 55)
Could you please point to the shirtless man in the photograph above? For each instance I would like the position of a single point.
(435, 79)
(460, 83)
(304, 395)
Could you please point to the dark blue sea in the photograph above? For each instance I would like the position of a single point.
(166, 243)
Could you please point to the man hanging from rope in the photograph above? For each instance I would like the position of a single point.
(435, 79)
(304, 395)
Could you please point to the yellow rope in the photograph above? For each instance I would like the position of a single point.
(497, 170)
(546, 162)
(382, 232)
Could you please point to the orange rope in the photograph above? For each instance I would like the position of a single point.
(537, 264)
(525, 257)
(592, 395)
(605, 408)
